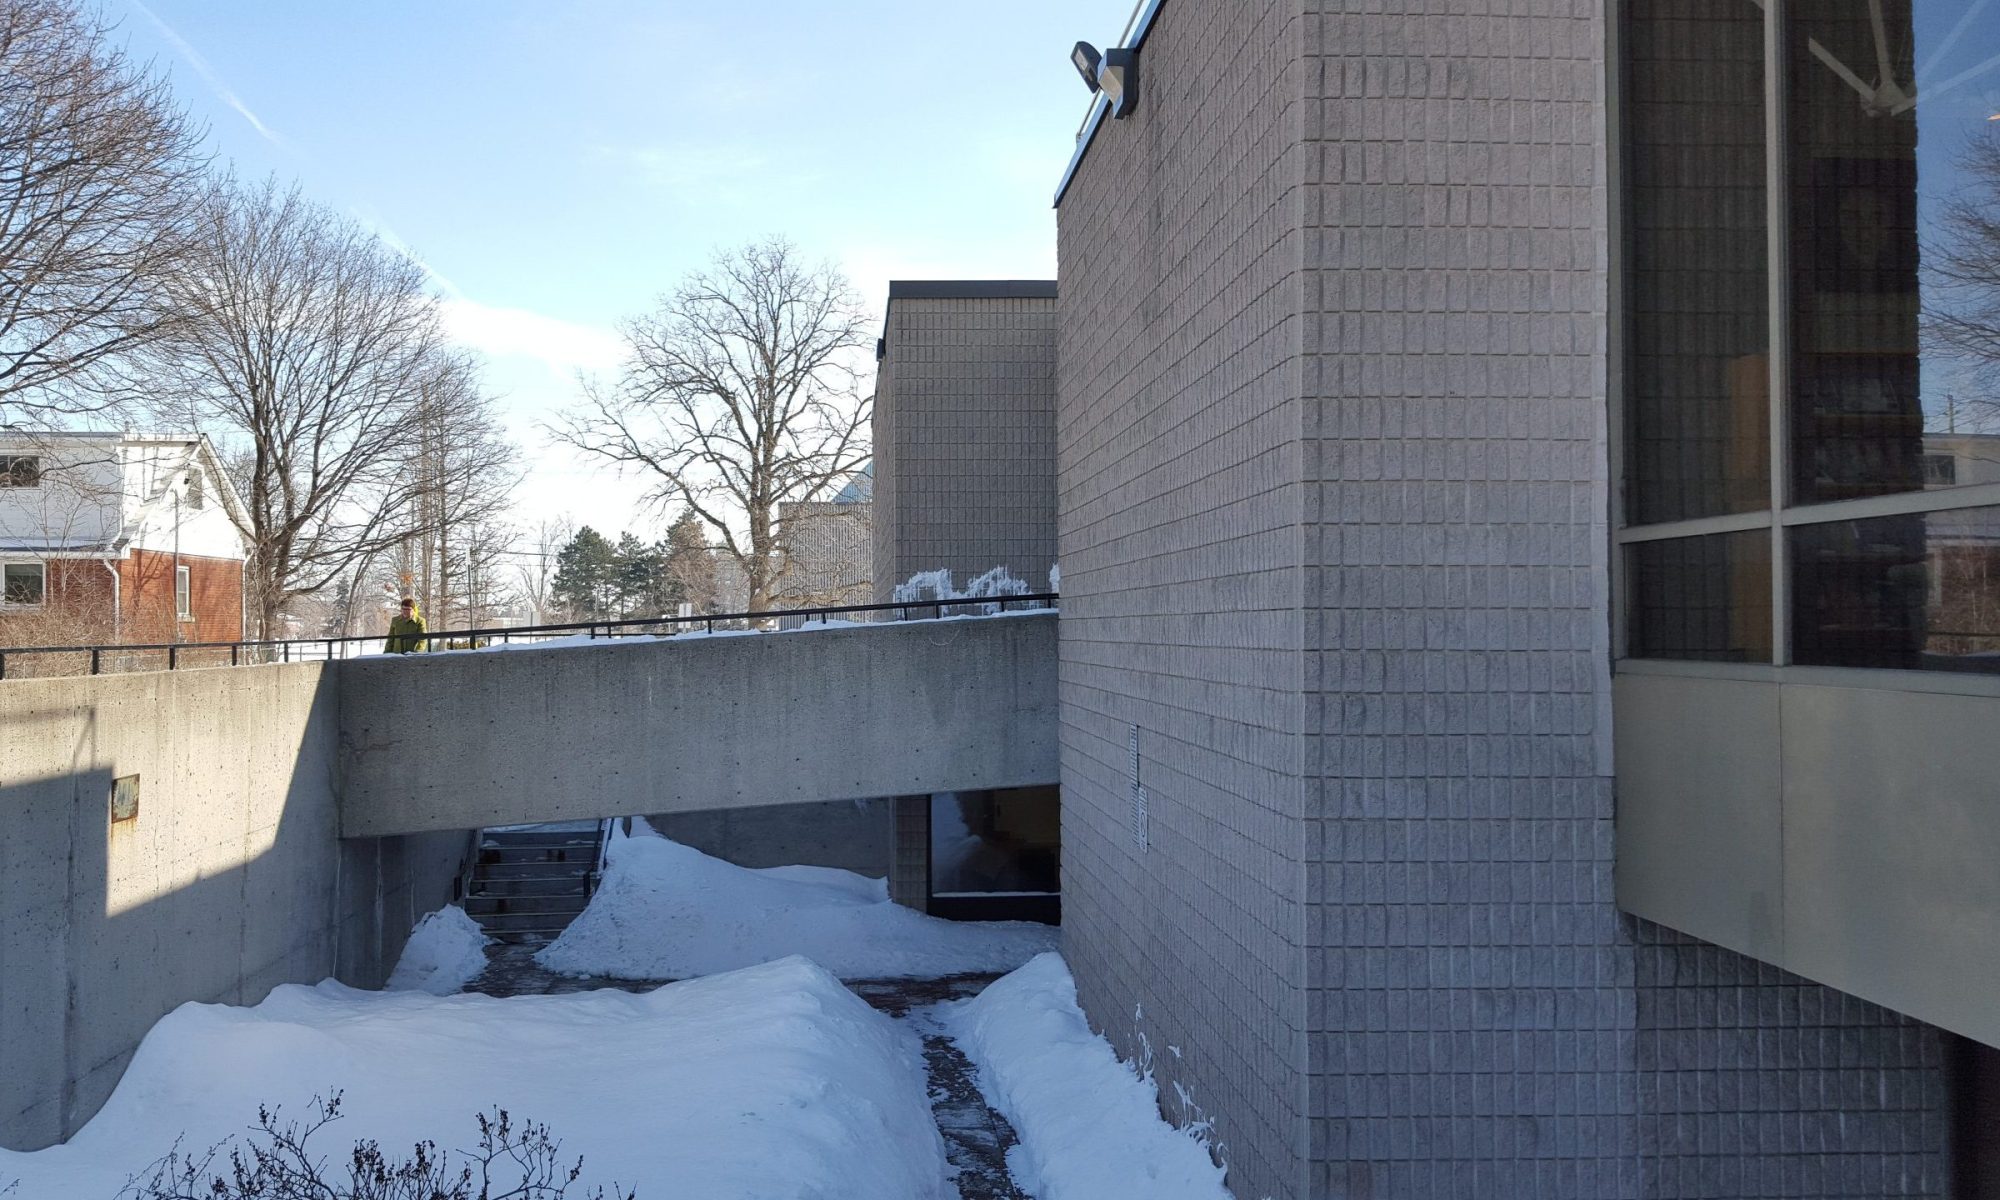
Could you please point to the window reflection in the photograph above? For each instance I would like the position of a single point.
(1705, 598)
(1917, 592)
(1894, 192)
(1698, 418)
(995, 842)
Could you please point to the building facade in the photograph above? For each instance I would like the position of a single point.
(112, 537)
(965, 432)
(1496, 761)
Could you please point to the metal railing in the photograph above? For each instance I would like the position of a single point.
(173, 656)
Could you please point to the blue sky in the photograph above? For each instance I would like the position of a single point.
(559, 164)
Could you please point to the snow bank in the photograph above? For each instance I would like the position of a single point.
(1089, 1124)
(446, 951)
(667, 911)
(766, 1083)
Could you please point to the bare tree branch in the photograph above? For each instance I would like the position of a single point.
(737, 395)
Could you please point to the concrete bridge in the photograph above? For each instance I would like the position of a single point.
(692, 723)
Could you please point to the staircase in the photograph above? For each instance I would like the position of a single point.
(530, 882)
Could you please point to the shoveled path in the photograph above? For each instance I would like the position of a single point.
(976, 1138)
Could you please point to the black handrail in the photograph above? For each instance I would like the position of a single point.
(476, 638)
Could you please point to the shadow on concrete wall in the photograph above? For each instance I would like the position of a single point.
(229, 881)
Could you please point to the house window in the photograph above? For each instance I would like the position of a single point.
(23, 583)
(183, 594)
(1801, 222)
(20, 471)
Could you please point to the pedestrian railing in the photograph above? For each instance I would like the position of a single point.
(25, 662)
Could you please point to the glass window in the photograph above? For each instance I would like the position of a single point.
(20, 471)
(22, 583)
(1706, 598)
(182, 591)
(995, 843)
(1697, 293)
(1915, 592)
(1894, 204)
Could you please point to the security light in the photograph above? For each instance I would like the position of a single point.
(1086, 58)
(1119, 77)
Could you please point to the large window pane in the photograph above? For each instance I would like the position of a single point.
(1706, 598)
(1912, 592)
(1894, 199)
(1005, 843)
(1698, 407)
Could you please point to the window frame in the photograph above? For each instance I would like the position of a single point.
(183, 593)
(1782, 514)
(40, 563)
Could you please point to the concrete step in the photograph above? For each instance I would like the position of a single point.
(517, 840)
(531, 885)
(573, 869)
(582, 853)
(517, 923)
(564, 907)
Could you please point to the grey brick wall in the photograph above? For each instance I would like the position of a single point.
(1179, 435)
(1333, 495)
(965, 435)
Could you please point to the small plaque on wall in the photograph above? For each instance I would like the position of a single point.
(124, 799)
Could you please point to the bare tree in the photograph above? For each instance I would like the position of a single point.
(460, 474)
(306, 346)
(738, 394)
(537, 565)
(1962, 287)
(99, 185)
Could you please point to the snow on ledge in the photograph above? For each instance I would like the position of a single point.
(1089, 1124)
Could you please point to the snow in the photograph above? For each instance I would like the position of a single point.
(446, 951)
(667, 911)
(772, 1082)
(1089, 1124)
(927, 587)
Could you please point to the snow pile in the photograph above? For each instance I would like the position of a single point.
(667, 911)
(1090, 1125)
(927, 587)
(770, 1082)
(446, 951)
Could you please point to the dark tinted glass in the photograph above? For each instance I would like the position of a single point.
(1698, 409)
(996, 843)
(1918, 592)
(1895, 240)
(1703, 598)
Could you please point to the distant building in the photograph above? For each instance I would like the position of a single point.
(117, 537)
(829, 547)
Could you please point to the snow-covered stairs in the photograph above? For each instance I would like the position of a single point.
(530, 883)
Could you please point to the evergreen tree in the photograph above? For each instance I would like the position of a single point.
(690, 565)
(637, 569)
(586, 576)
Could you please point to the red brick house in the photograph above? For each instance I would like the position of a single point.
(117, 537)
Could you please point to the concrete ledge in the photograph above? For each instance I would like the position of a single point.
(460, 741)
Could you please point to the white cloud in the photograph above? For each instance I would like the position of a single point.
(564, 346)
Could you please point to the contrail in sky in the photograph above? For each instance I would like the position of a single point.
(208, 74)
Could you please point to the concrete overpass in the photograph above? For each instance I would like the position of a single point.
(459, 741)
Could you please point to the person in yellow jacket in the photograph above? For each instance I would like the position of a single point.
(406, 630)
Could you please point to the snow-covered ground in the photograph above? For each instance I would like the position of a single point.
(763, 1084)
(667, 911)
(1089, 1124)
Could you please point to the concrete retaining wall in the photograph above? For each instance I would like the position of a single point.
(686, 724)
(229, 881)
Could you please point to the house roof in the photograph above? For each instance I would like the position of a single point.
(198, 447)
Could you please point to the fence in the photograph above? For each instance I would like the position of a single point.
(25, 662)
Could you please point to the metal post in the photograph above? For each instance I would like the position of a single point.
(173, 657)
(232, 652)
(285, 649)
(93, 660)
(3, 666)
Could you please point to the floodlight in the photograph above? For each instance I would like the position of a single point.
(1086, 59)
(1118, 75)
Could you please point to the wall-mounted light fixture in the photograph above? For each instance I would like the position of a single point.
(1115, 73)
